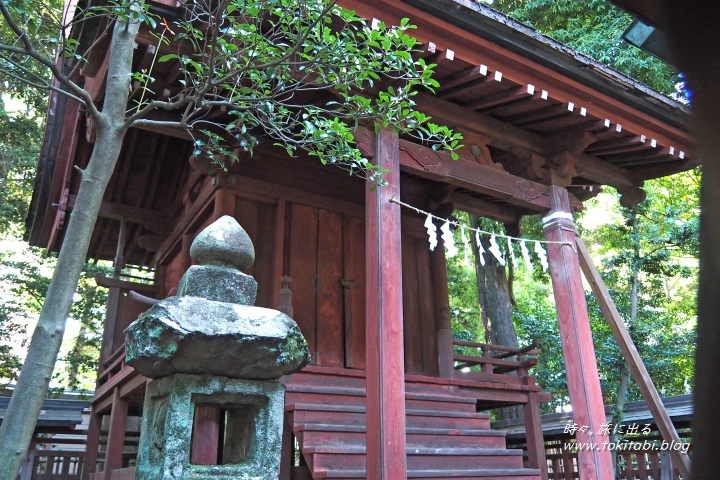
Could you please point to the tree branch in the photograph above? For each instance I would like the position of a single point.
(30, 51)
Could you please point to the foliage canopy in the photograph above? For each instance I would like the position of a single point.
(595, 28)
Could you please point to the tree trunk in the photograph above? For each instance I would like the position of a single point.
(18, 425)
(495, 302)
(619, 409)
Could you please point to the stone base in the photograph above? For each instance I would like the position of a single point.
(165, 440)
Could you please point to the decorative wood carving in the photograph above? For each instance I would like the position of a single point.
(468, 174)
(476, 147)
(365, 142)
(527, 164)
(567, 151)
(425, 158)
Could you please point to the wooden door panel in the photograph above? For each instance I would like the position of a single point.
(354, 291)
(329, 335)
(303, 269)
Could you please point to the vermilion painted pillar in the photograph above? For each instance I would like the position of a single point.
(384, 329)
(116, 434)
(580, 364)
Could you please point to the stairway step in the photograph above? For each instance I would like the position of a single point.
(448, 461)
(490, 474)
(331, 395)
(439, 439)
(329, 427)
(360, 392)
(310, 378)
(361, 450)
(361, 409)
(355, 415)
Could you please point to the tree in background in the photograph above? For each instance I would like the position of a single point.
(655, 250)
(25, 278)
(20, 137)
(650, 261)
(595, 28)
(658, 243)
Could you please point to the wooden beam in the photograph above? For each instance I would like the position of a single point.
(465, 76)
(633, 359)
(502, 98)
(119, 211)
(580, 364)
(279, 249)
(92, 444)
(438, 165)
(501, 134)
(553, 112)
(438, 271)
(605, 173)
(482, 208)
(205, 439)
(224, 203)
(618, 145)
(108, 282)
(471, 85)
(386, 456)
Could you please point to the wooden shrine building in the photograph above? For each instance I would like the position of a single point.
(545, 127)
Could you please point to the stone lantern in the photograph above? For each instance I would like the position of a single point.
(208, 348)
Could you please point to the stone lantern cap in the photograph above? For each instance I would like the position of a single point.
(211, 327)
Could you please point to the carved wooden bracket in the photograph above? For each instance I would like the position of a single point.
(476, 147)
(574, 145)
(532, 165)
(564, 154)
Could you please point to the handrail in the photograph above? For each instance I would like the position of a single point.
(510, 351)
(115, 355)
(496, 363)
(109, 282)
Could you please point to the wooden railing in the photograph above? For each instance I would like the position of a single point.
(653, 465)
(54, 465)
(123, 307)
(496, 366)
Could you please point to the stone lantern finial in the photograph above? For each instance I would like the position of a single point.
(222, 251)
(224, 244)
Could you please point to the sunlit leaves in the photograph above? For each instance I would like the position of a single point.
(259, 60)
(593, 27)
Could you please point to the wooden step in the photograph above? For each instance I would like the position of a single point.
(355, 415)
(448, 459)
(331, 395)
(446, 438)
(490, 474)
(319, 435)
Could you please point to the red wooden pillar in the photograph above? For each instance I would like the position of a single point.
(92, 443)
(534, 435)
(580, 364)
(384, 329)
(116, 434)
